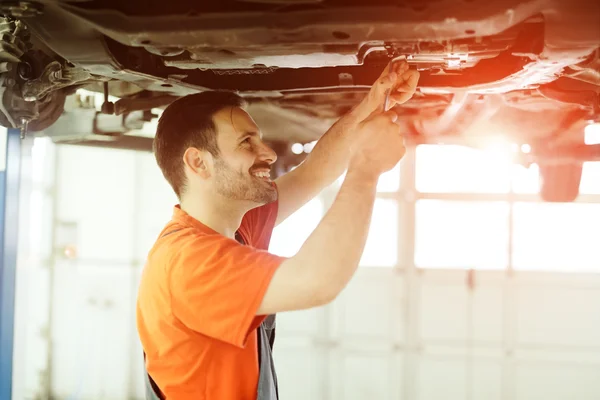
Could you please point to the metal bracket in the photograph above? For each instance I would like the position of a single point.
(53, 77)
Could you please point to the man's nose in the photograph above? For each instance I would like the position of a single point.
(267, 154)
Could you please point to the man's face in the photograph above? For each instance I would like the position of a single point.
(242, 168)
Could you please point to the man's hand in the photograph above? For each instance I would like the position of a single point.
(379, 145)
(396, 77)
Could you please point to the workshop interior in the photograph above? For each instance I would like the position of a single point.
(480, 279)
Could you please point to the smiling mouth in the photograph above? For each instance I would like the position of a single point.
(262, 175)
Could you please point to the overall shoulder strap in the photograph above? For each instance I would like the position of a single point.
(267, 379)
(152, 390)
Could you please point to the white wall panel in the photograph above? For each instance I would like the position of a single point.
(559, 381)
(449, 311)
(301, 371)
(367, 375)
(39, 233)
(33, 310)
(371, 307)
(42, 171)
(440, 379)
(114, 210)
(486, 379)
(558, 316)
(306, 323)
(442, 311)
(153, 202)
(31, 342)
(91, 331)
(458, 378)
(95, 192)
(488, 309)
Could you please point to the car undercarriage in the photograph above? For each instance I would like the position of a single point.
(526, 70)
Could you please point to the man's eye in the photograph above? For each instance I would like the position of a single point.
(247, 140)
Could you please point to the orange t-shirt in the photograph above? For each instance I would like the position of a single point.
(197, 303)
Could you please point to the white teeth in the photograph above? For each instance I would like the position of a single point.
(262, 174)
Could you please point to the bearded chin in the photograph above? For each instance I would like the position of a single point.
(234, 185)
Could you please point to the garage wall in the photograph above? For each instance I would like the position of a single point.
(478, 318)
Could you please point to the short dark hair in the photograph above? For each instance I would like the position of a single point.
(188, 122)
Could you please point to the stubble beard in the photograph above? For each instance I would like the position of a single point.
(235, 185)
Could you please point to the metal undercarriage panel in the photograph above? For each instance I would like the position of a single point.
(309, 61)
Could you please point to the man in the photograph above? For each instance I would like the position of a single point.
(210, 283)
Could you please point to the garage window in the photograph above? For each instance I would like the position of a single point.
(590, 179)
(460, 169)
(289, 236)
(461, 234)
(382, 243)
(390, 180)
(526, 180)
(556, 237)
(464, 209)
(463, 212)
(381, 248)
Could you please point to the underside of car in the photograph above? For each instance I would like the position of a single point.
(526, 70)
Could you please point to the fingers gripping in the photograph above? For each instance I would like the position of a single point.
(395, 85)
(382, 118)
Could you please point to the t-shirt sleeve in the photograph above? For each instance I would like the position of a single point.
(218, 284)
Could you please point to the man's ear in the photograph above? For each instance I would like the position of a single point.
(198, 162)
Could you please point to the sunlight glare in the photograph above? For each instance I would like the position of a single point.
(592, 134)
(500, 148)
(297, 148)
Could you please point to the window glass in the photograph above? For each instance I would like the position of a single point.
(465, 234)
(590, 179)
(382, 240)
(460, 169)
(388, 181)
(592, 134)
(290, 235)
(526, 180)
(381, 249)
(556, 237)
(456, 169)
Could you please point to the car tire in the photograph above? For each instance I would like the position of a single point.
(48, 110)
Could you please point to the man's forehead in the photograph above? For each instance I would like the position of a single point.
(231, 122)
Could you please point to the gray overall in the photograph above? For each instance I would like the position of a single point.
(267, 378)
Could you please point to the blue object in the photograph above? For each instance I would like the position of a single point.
(9, 212)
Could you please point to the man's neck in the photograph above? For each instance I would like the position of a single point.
(221, 215)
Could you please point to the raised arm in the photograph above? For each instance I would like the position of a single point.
(330, 156)
(330, 256)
